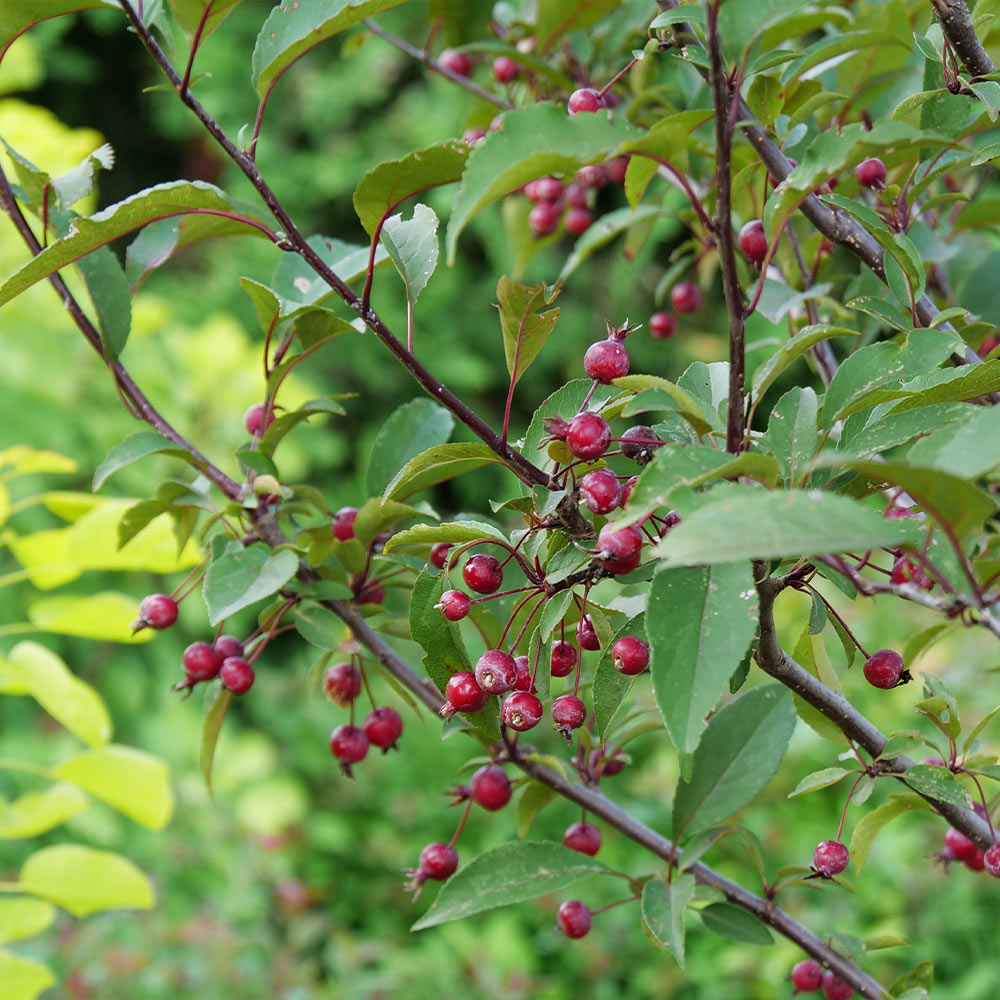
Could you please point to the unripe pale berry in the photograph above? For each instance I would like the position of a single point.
(662, 325)
(343, 523)
(600, 491)
(521, 711)
(630, 655)
(483, 573)
(584, 99)
(505, 69)
(454, 605)
(606, 360)
(253, 419)
(157, 611)
(583, 837)
(686, 297)
(236, 674)
(830, 858)
(496, 672)
(201, 662)
(753, 242)
(836, 989)
(490, 787)
(588, 435)
(342, 683)
(383, 727)
(885, 669)
(564, 658)
(870, 173)
(573, 918)
(807, 976)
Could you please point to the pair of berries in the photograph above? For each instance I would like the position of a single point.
(350, 744)
(808, 976)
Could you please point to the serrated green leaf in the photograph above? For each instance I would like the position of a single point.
(17, 16)
(239, 579)
(604, 229)
(526, 322)
(455, 532)
(109, 291)
(437, 465)
(412, 245)
(663, 907)
(870, 825)
(130, 450)
(793, 433)
(734, 923)
(818, 779)
(191, 13)
(938, 783)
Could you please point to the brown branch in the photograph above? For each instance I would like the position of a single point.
(956, 25)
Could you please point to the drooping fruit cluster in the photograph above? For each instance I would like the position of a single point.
(382, 727)
(570, 200)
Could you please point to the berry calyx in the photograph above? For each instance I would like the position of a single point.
(568, 713)
(573, 918)
(600, 491)
(885, 669)
(483, 573)
(686, 297)
(583, 837)
(578, 221)
(496, 672)
(836, 989)
(870, 173)
(521, 711)
(543, 219)
(807, 976)
(236, 674)
(454, 605)
(253, 419)
(991, 860)
(586, 636)
(458, 62)
(662, 325)
(830, 858)
(348, 744)
(157, 611)
(619, 549)
(439, 554)
(490, 787)
(588, 435)
(585, 99)
(226, 646)
(463, 693)
(383, 727)
(638, 443)
(201, 662)
(342, 683)
(505, 69)
(753, 242)
(606, 360)
(564, 658)
(630, 655)
(343, 523)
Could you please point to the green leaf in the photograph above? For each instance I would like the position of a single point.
(217, 699)
(792, 432)
(106, 617)
(130, 450)
(130, 780)
(456, 532)
(102, 228)
(810, 654)
(685, 403)
(700, 622)
(38, 812)
(319, 626)
(16, 17)
(525, 322)
(437, 465)
(938, 783)
(532, 800)
(66, 698)
(739, 754)
(870, 825)
(558, 17)
(663, 906)
(737, 924)
(915, 985)
(757, 524)
(190, 14)
(109, 291)
(605, 229)
(23, 918)
(968, 448)
(412, 245)
(24, 978)
(292, 29)
(511, 873)
(818, 779)
(540, 139)
(83, 880)
(376, 515)
(238, 579)
(611, 686)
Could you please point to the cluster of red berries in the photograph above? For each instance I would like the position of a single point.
(808, 977)
(382, 727)
(570, 201)
(365, 589)
(686, 298)
(958, 847)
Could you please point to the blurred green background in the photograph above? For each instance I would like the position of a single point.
(288, 885)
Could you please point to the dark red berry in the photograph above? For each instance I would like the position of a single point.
(583, 837)
(885, 669)
(524, 682)
(201, 662)
(483, 573)
(236, 674)
(662, 325)
(227, 646)
(630, 655)
(253, 419)
(564, 658)
(454, 605)
(343, 523)
(464, 693)
(548, 189)
(490, 787)
(521, 711)
(458, 62)
(686, 297)
(574, 918)
(606, 360)
(991, 859)
(383, 727)
(600, 491)
(156, 611)
(439, 554)
(505, 69)
(568, 713)
(342, 683)
(990, 343)
(619, 549)
(496, 672)
(807, 976)
(906, 571)
(543, 219)
(836, 989)
(438, 861)
(639, 443)
(870, 173)
(592, 176)
(616, 169)
(977, 862)
(830, 858)
(578, 221)
(584, 99)
(371, 595)
(588, 435)
(348, 744)
(753, 242)
(957, 847)
(586, 635)
(576, 196)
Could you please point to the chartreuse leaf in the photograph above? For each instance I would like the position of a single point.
(525, 321)
(24, 918)
(511, 873)
(66, 698)
(38, 812)
(734, 923)
(870, 825)
(455, 532)
(412, 245)
(190, 14)
(540, 139)
(292, 29)
(411, 429)
(24, 459)
(663, 906)
(217, 700)
(685, 404)
(132, 781)
(611, 686)
(106, 617)
(238, 579)
(739, 754)
(102, 228)
(24, 978)
(818, 779)
(758, 524)
(83, 880)
(437, 465)
(700, 622)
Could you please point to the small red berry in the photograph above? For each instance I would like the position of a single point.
(564, 658)
(662, 325)
(496, 672)
(458, 62)
(490, 787)
(906, 571)
(807, 976)
(584, 99)
(505, 69)
(990, 343)
(342, 683)
(524, 682)
(454, 605)
(157, 611)
(583, 837)
(438, 861)
(836, 989)
(957, 847)
(439, 554)
(568, 713)
(573, 918)
(343, 523)
(576, 196)
(592, 176)
(236, 674)
(616, 169)
(977, 862)
(548, 189)
(627, 489)
(830, 858)
(383, 727)
(600, 491)
(870, 173)
(253, 419)
(619, 549)
(483, 573)
(227, 646)
(639, 443)
(201, 662)
(578, 221)
(630, 655)
(586, 635)
(521, 711)
(686, 297)
(606, 360)
(543, 219)
(588, 435)
(348, 744)
(885, 669)
(463, 693)
(753, 242)
(991, 859)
